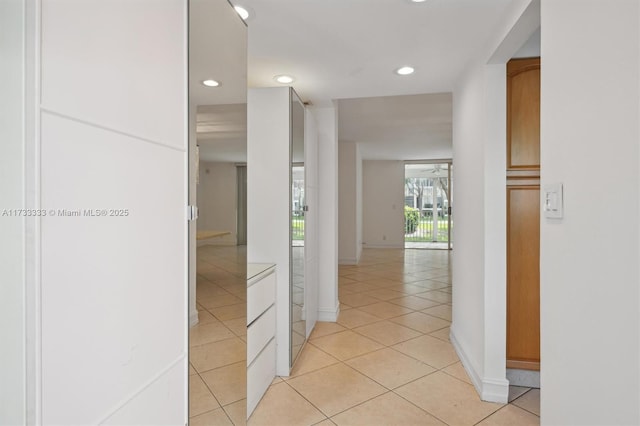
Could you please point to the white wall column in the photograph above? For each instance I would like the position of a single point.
(327, 124)
(589, 277)
(478, 330)
(268, 192)
(12, 225)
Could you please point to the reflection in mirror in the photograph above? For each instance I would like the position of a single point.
(218, 121)
(298, 207)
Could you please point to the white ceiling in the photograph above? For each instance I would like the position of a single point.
(347, 50)
(410, 127)
(222, 132)
(217, 50)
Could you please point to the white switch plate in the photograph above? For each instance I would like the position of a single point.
(553, 201)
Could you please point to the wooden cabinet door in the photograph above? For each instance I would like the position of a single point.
(523, 277)
(523, 114)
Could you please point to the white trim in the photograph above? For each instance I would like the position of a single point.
(132, 395)
(489, 389)
(348, 261)
(382, 246)
(328, 314)
(193, 318)
(217, 243)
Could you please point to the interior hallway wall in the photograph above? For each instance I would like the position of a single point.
(217, 201)
(349, 203)
(590, 298)
(12, 229)
(478, 330)
(327, 126)
(383, 203)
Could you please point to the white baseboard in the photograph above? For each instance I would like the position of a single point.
(489, 389)
(193, 318)
(348, 261)
(383, 246)
(328, 314)
(216, 243)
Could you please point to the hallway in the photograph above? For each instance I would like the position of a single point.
(388, 360)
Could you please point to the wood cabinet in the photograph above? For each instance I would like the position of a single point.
(523, 214)
(523, 114)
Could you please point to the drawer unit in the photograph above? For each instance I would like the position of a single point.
(261, 331)
(260, 296)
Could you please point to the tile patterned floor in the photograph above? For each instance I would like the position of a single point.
(388, 359)
(217, 344)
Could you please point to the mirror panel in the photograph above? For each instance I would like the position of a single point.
(218, 125)
(298, 207)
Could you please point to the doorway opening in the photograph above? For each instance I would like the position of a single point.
(428, 220)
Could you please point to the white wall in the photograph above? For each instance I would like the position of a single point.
(327, 125)
(268, 189)
(103, 354)
(478, 330)
(218, 201)
(383, 203)
(467, 328)
(348, 200)
(589, 259)
(12, 189)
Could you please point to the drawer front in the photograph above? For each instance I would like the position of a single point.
(260, 332)
(260, 296)
(260, 374)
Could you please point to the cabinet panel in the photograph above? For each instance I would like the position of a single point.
(260, 332)
(260, 296)
(523, 277)
(523, 114)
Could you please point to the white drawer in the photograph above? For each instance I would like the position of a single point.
(260, 296)
(260, 332)
(260, 374)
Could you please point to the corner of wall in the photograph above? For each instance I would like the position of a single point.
(489, 389)
(329, 314)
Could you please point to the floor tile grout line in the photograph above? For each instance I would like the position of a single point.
(305, 398)
(211, 411)
(415, 405)
(528, 411)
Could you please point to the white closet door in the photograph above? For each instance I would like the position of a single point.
(113, 179)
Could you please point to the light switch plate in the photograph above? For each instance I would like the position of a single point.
(553, 201)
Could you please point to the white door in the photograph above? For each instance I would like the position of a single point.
(111, 340)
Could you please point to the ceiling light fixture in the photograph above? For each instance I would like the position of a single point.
(405, 71)
(418, 1)
(284, 79)
(210, 83)
(244, 13)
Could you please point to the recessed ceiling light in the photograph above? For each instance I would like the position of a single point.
(284, 79)
(244, 13)
(418, 1)
(405, 71)
(210, 83)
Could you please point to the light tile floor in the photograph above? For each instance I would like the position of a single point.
(217, 344)
(388, 359)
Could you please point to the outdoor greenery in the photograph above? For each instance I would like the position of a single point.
(416, 229)
(297, 228)
(411, 219)
(424, 228)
